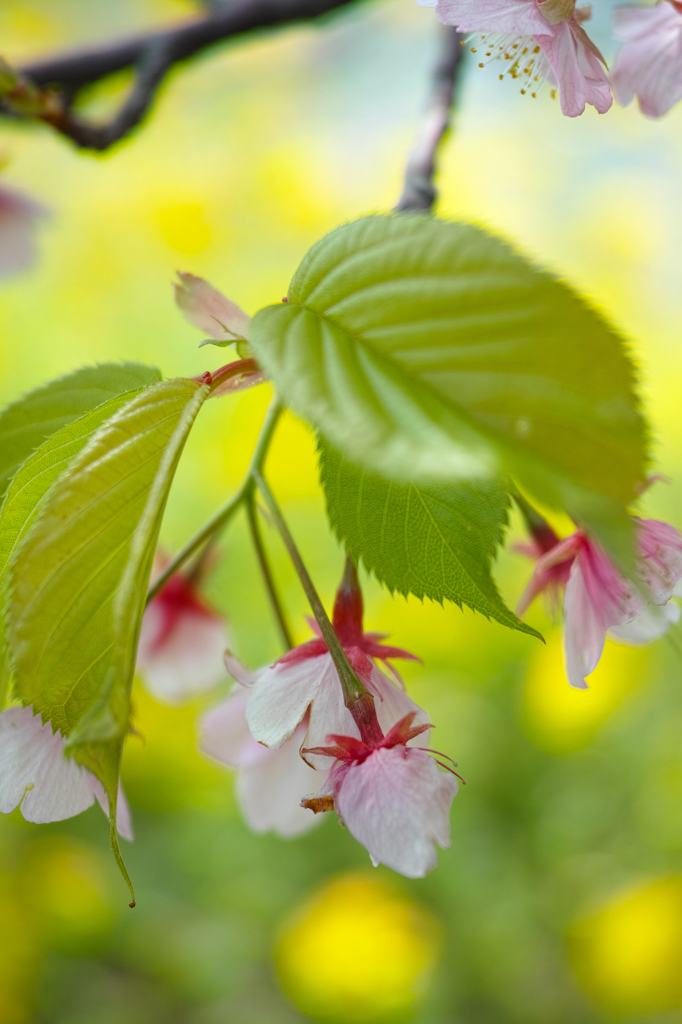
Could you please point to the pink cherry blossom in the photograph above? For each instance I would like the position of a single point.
(598, 599)
(390, 796)
(649, 64)
(209, 310)
(270, 783)
(182, 642)
(36, 774)
(305, 682)
(18, 218)
(536, 42)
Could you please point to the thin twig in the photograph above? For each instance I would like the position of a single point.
(219, 522)
(353, 689)
(268, 579)
(153, 54)
(419, 192)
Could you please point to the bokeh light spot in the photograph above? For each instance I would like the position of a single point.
(559, 718)
(68, 888)
(184, 227)
(628, 954)
(357, 951)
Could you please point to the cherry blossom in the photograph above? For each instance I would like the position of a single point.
(182, 642)
(390, 796)
(270, 783)
(36, 774)
(535, 42)
(305, 682)
(598, 599)
(649, 64)
(18, 217)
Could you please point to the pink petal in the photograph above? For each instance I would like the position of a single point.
(580, 75)
(18, 217)
(660, 557)
(397, 804)
(281, 695)
(35, 772)
(652, 623)
(649, 64)
(520, 17)
(209, 310)
(239, 671)
(597, 599)
(551, 570)
(270, 791)
(188, 662)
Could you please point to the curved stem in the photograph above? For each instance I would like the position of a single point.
(209, 533)
(353, 689)
(268, 579)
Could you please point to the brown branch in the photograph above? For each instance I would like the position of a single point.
(153, 55)
(419, 192)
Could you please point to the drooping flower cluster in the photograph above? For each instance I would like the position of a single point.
(598, 599)
(289, 718)
(538, 41)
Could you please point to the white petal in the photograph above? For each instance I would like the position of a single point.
(328, 715)
(270, 791)
(32, 762)
(652, 623)
(281, 696)
(225, 734)
(238, 671)
(190, 661)
(397, 804)
(584, 632)
(394, 704)
(124, 824)
(209, 310)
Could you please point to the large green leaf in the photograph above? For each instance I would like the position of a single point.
(435, 540)
(431, 350)
(94, 537)
(28, 488)
(25, 424)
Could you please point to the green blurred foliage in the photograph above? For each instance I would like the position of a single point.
(559, 901)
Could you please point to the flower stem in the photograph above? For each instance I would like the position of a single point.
(353, 689)
(268, 580)
(209, 533)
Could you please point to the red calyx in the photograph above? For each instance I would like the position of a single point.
(351, 750)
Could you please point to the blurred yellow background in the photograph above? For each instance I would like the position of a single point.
(561, 899)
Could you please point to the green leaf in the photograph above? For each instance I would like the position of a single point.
(435, 540)
(431, 350)
(25, 424)
(72, 622)
(27, 490)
